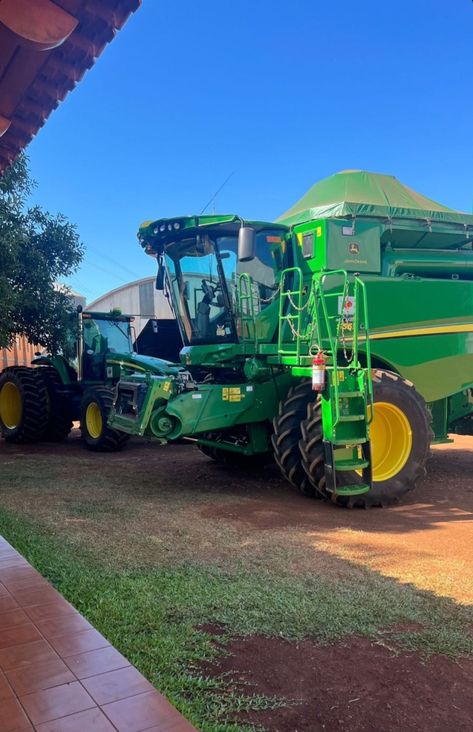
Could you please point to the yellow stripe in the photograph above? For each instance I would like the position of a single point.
(433, 330)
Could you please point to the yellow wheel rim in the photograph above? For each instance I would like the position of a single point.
(391, 440)
(11, 406)
(93, 420)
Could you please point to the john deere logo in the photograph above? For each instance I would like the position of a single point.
(354, 248)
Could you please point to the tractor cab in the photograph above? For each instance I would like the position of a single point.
(211, 283)
(101, 335)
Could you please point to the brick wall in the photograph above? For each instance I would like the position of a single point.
(19, 354)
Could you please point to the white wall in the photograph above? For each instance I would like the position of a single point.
(127, 299)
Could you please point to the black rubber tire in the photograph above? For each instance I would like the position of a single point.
(60, 408)
(34, 398)
(311, 448)
(391, 388)
(287, 434)
(109, 440)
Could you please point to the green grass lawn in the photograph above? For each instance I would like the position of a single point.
(153, 615)
(153, 610)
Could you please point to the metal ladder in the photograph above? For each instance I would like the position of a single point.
(341, 317)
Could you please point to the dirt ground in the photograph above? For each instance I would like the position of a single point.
(178, 503)
(356, 686)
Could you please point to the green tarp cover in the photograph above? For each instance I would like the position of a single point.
(358, 193)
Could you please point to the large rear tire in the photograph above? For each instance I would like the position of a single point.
(95, 408)
(60, 408)
(400, 436)
(23, 405)
(287, 435)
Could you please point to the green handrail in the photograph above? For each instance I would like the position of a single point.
(334, 336)
(293, 276)
(245, 298)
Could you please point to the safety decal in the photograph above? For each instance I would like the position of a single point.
(232, 394)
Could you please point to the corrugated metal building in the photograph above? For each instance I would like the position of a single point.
(156, 328)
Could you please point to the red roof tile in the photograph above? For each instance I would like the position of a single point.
(45, 48)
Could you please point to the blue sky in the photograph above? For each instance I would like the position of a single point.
(280, 94)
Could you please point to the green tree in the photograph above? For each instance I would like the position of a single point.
(37, 249)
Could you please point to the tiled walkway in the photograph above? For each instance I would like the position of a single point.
(58, 674)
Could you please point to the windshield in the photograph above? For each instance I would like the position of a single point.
(204, 277)
(107, 336)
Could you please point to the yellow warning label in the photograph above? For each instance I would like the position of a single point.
(300, 239)
(232, 394)
(166, 386)
(341, 376)
(318, 231)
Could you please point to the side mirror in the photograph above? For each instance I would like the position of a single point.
(160, 276)
(246, 244)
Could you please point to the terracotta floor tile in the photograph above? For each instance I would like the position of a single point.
(115, 685)
(141, 712)
(6, 562)
(87, 640)
(37, 676)
(7, 602)
(93, 720)
(181, 725)
(52, 627)
(44, 706)
(12, 716)
(55, 609)
(36, 595)
(19, 635)
(92, 663)
(13, 618)
(24, 655)
(19, 574)
(5, 688)
(24, 581)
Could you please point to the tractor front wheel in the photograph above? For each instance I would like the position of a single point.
(95, 408)
(23, 405)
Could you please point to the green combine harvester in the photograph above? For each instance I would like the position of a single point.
(337, 341)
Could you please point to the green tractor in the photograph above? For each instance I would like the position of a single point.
(42, 402)
(337, 341)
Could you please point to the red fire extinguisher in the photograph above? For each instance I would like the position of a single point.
(318, 372)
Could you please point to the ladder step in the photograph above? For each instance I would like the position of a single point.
(350, 394)
(349, 442)
(352, 490)
(352, 418)
(351, 464)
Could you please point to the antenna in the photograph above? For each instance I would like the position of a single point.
(217, 192)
